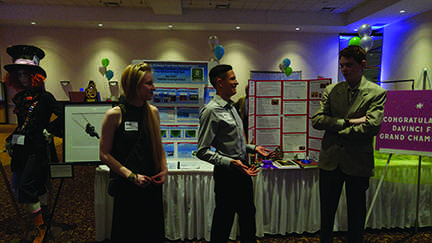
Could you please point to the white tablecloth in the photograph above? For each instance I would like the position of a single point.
(287, 201)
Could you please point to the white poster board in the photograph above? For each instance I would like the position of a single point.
(81, 145)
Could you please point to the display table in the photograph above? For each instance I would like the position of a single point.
(287, 201)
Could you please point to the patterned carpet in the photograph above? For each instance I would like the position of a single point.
(75, 212)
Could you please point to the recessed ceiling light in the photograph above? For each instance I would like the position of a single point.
(237, 27)
(33, 23)
(100, 25)
(170, 26)
(297, 28)
(402, 11)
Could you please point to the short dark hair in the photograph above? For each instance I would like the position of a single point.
(355, 52)
(218, 71)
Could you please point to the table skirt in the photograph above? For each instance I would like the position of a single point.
(287, 201)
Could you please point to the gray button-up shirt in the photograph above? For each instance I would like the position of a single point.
(221, 128)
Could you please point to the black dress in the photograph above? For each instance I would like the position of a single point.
(30, 151)
(138, 212)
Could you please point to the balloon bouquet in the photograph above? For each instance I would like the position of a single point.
(217, 49)
(364, 40)
(109, 74)
(284, 66)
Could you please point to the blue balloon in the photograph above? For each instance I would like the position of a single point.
(109, 74)
(219, 52)
(286, 62)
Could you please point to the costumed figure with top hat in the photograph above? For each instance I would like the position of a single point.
(30, 145)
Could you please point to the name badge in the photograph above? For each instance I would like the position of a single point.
(18, 139)
(131, 126)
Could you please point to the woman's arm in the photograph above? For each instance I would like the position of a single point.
(109, 125)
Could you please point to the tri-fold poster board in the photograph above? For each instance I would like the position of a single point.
(280, 112)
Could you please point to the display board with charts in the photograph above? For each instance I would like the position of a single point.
(182, 88)
(280, 113)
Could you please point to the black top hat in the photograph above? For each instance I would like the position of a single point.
(25, 57)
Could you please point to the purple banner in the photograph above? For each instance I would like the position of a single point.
(407, 123)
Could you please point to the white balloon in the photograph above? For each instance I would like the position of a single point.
(102, 70)
(282, 67)
(364, 29)
(366, 42)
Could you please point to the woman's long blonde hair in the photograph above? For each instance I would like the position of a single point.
(131, 78)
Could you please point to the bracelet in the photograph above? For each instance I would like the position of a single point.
(133, 178)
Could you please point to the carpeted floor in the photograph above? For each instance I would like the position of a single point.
(75, 212)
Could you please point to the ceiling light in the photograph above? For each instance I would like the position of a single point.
(100, 25)
(237, 27)
(402, 11)
(170, 26)
(33, 23)
(297, 28)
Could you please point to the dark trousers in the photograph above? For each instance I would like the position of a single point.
(331, 183)
(32, 176)
(234, 194)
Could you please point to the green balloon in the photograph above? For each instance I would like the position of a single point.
(288, 71)
(105, 61)
(355, 41)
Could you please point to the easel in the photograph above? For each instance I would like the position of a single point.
(416, 223)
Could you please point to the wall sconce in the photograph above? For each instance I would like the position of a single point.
(64, 82)
(113, 83)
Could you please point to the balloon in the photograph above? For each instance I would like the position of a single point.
(355, 41)
(213, 41)
(286, 62)
(219, 52)
(109, 74)
(366, 42)
(102, 70)
(105, 62)
(364, 29)
(288, 71)
(282, 67)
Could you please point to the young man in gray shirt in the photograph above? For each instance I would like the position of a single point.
(222, 129)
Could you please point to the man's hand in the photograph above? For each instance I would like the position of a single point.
(252, 171)
(263, 151)
(357, 121)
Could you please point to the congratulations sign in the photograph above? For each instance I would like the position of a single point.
(407, 123)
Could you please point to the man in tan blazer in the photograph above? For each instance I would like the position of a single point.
(351, 113)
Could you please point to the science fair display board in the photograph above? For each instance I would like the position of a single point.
(280, 112)
(181, 90)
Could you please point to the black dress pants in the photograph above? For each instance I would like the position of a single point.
(234, 194)
(330, 184)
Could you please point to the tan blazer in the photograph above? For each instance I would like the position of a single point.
(349, 147)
